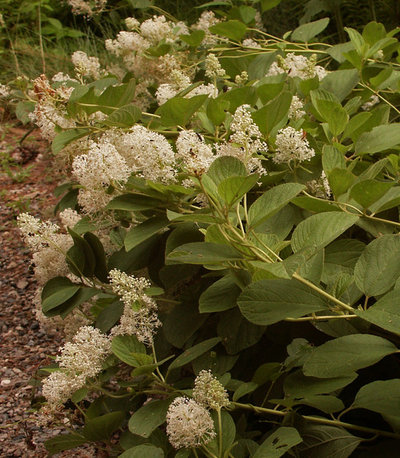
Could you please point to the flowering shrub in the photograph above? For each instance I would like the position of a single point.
(228, 247)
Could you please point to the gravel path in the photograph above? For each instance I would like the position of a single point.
(24, 347)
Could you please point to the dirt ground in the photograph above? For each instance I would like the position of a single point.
(27, 182)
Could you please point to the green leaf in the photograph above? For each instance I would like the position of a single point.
(124, 348)
(226, 167)
(194, 39)
(133, 202)
(345, 355)
(334, 114)
(194, 352)
(267, 5)
(332, 159)
(272, 116)
(143, 451)
(57, 291)
(217, 109)
(341, 82)
(234, 30)
(243, 389)
(144, 231)
(234, 188)
(369, 191)
(272, 201)
(326, 441)
(380, 138)
(278, 443)
(204, 253)
(100, 267)
(378, 267)
(102, 428)
(179, 110)
(269, 301)
(64, 138)
(305, 32)
(297, 385)
(125, 116)
(236, 332)
(382, 396)
(64, 442)
(357, 40)
(385, 313)
(327, 404)
(228, 432)
(146, 419)
(109, 316)
(389, 200)
(340, 180)
(221, 295)
(321, 229)
(80, 257)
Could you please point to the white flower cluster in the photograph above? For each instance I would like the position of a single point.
(96, 171)
(250, 43)
(85, 65)
(48, 246)
(180, 81)
(132, 23)
(140, 311)
(87, 7)
(5, 91)
(195, 154)
(297, 65)
(213, 67)
(80, 359)
(131, 46)
(291, 145)
(320, 187)
(296, 108)
(374, 99)
(207, 20)
(69, 217)
(189, 424)
(209, 392)
(146, 153)
(245, 141)
(50, 109)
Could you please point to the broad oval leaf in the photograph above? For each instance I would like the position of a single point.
(269, 301)
(221, 295)
(382, 396)
(235, 30)
(385, 313)
(380, 138)
(378, 267)
(144, 231)
(143, 451)
(194, 352)
(272, 201)
(345, 355)
(278, 443)
(204, 253)
(321, 229)
(307, 31)
(146, 419)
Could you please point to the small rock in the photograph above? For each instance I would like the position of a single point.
(22, 284)
(5, 382)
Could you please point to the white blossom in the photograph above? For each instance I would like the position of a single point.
(140, 311)
(296, 108)
(296, 65)
(131, 23)
(87, 7)
(189, 424)
(196, 155)
(320, 187)
(213, 67)
(291, 145)
(69, 217)
(374, 99)
(209, 392)
(5, 91)
(147, 153)
(85, 65)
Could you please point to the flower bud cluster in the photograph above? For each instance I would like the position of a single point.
(296, 65)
